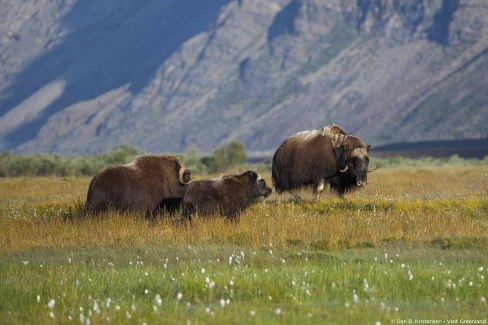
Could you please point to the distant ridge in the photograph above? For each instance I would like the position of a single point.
(468, 148)
(82, 77)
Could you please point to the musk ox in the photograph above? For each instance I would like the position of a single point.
(145, 185)
(314, 158)
(227, 195)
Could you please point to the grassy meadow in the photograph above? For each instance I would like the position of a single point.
(413, 244)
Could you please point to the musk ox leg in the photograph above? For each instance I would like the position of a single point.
(317, 191)
(279, 198)
(188, 210)
(298, 199)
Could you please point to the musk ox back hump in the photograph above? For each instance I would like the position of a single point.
(142, 185)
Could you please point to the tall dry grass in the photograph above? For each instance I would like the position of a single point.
(444, 205)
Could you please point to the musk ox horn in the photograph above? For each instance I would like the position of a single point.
(344, 169)
(184, 176)
(372, 170)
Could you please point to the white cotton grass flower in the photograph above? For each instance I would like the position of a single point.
(377, 322)
(179, 296)
(203, 270)
(222, 303)
(410, 275)
(209, 283)
(366, 285)
(252, 312)
(51, 314)
(355, 297)
(483, 300)
(481, 269)
(158, 300)
(278, 311)
(51, 303)
(146, 292)
(38, 298)
(96, 307)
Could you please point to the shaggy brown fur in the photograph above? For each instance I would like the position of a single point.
(145, 185)
(227, 195)
(316, 157)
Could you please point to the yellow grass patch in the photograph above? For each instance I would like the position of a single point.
(425, 204)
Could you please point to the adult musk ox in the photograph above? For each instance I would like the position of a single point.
(227, 195)
(148, 183)
(328, 155)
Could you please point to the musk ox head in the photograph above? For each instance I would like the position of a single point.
(260, 188)
(352, 160)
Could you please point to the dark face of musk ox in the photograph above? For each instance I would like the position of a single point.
(356, 167)
(358, 170)
(261, 188)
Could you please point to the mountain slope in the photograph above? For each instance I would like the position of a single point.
(84, 76)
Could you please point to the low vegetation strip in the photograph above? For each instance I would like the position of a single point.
(228, 284)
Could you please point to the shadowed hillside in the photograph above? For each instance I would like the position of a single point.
(81, 77)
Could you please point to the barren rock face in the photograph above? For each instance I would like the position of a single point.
(83, 76)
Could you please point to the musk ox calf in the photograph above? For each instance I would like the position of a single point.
(145, 185)
(227, 195)
(314, 158)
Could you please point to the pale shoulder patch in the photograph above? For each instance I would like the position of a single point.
(303, 134)
(335, 132)
(131, 165)
(359, 152)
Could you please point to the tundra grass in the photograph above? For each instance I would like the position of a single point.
(413, 245)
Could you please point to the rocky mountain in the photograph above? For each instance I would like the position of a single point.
(80, 77)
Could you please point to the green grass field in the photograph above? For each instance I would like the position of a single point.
(412, 245)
